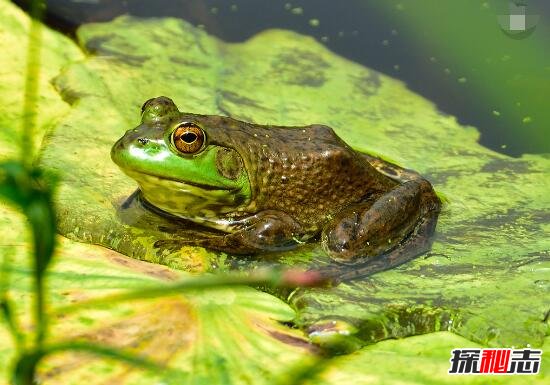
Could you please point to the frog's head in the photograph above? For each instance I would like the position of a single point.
(178, 167)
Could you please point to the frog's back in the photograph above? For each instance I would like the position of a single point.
(307, 172)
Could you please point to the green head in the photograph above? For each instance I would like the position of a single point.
(182, 163)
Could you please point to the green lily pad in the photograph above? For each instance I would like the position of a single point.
(487, 275)
(230, 335)
(417, 360)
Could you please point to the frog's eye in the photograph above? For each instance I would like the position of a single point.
(188, 138)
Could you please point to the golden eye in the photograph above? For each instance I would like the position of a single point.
(188, 138)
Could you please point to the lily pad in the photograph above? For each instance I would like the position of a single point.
(230, 335)
(173, 331)
(196, 352)
(487, 275)
(416, 360)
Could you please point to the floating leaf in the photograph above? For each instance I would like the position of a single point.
(417, 360)
(202, 337)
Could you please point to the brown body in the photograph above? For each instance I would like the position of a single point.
(307, 172)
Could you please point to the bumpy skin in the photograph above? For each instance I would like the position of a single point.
(272, 187)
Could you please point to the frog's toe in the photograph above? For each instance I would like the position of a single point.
(338, 240)
(338, 249)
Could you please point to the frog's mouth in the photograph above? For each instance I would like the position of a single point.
(171, 183)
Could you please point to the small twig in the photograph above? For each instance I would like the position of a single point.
(289, 278)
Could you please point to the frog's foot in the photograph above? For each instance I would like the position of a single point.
(268, 230)
(397, 225)
(418, 243)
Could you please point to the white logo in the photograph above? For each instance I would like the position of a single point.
(518, 24)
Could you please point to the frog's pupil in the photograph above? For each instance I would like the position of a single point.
(189, 137)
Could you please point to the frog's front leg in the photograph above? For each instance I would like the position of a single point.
(268, 230)
(371, 228)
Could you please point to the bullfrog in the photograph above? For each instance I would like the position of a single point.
(270, 188)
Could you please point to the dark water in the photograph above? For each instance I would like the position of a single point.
(456, 57)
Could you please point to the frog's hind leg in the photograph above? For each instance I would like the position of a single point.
(418, 242)
(388, 230)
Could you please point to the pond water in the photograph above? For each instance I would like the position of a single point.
(453, 54)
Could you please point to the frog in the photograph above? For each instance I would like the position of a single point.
(269, 188)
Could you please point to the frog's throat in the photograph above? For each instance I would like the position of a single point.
(227, 225)
(189, 200)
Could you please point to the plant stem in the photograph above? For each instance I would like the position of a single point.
(273, 278)
(40, 316)
(6, 308)
(6, 305)
(32, 74)
(32, 77)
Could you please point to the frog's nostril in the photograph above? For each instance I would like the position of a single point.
(143, 141)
